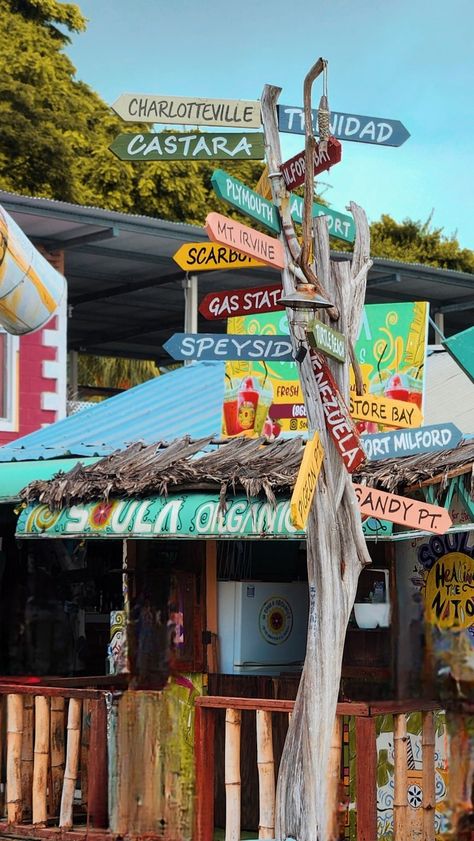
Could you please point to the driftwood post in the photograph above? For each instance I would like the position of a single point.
(336, 549)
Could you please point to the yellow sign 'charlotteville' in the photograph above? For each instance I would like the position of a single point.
(306, 482)
(206, 256)
(395, 413)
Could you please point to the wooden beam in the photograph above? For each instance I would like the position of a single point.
(204, 727)
(97, 800)
(366, 779)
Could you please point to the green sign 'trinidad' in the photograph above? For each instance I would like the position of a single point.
(188, 146)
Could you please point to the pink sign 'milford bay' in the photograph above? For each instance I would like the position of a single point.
(227, 231)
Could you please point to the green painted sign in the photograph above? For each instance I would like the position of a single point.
(237, 194)
(187, 146)
(329, 341)
(461, 348)
(340, 225)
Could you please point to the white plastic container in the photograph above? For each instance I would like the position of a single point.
(374, 614)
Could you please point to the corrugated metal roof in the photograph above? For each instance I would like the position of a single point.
(187, 401)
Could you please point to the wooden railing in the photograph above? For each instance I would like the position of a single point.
(56, 746)
(365, 775)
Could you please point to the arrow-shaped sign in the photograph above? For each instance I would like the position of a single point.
(237, 194)
(188, 110)
(325, 156)
(209, 346)
(402, 510)
(340, 225)
(185, 146)
(207, 256)
(256, 299)
(426, 439)
(229, 232)
(384, 410)
(306, 481)
(355, 127)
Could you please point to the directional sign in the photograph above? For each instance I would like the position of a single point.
(306, 482)
(206, 346)
(386, 411)
(235, 302)
(338, 422)
(188, 110)
(267, 249)
(263, 185)
(206, 256)
(340, 225)
(355, 127)
(185, 146)
(402, 510)
(426, 439)
(329, 341)
(324, 158)
(237, 194)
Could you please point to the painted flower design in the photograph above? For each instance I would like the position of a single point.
(100, 514)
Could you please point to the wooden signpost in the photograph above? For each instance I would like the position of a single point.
(185, 146)
(229, 232)
(340, 225)
(209, 346)
(257, 299)
(188, 110)
(206, 256)
(336, 416)
(426, 439)
(355, 127)
(402, 510)
(329, 341)
(263, 185)
(306, 482)
(237, 194)
(386, 411)
(324, 158)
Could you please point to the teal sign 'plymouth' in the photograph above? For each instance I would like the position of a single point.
(184, 515)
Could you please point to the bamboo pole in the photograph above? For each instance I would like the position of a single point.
(57, 754)
(266, 775)
(40, 760)
(232, 774)
(72, 762)
(400, 801)
(27, 755)
(334, 777)
(14, 739)
(428, 780)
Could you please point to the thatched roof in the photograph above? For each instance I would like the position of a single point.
(237, 464)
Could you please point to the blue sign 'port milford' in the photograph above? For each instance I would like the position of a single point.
(209, 346)
(377, 130)
(408, 442)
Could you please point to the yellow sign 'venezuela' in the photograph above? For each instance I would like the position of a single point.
(306, 482)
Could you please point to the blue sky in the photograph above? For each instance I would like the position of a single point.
(410, 60)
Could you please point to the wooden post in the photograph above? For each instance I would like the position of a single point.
(72, 762)
(266, 775)
(334, 781)
(366, 778)
(211, 604)
(232, 774)
(204, 727)
(428, 782)
(27, 755)
(14, 738)
(57, 753)
(97, 800)
(400, 799)
(40, 761)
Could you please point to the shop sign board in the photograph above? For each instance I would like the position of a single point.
(385, 411)
(188, 110)
(354, 127)
(402, 510)
(253, 243)
(207, 256)
(461, 348)
(325, 156)
(237, 194)
(214, 346)
(338, 422)
(185, 146)
(235, 302)
(426, 439)
(326, 339)
(306, 482)
(340, 225)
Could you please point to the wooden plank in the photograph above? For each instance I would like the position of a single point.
(334, 781)
(306, 481)
(266, 775)
(216, 346)
(356, 708)
(14, 739)
(97, 799)
(227, 231)
(400, 798)
(324, 338)
(385, 410)
(49, 691)
(72, 762)
(366, 779)
(185, 146)
(209, 256)
(40, 761)
(188, 110)
(232, 774)
(57, 748)
(234, 302)
(402, 706)
(402, 510)
(204, 726)
(27, 756)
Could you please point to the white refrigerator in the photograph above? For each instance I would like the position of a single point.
(262, 626)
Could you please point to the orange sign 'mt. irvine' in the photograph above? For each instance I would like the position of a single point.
(402, 510)
(229, 232)
(338, 421)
